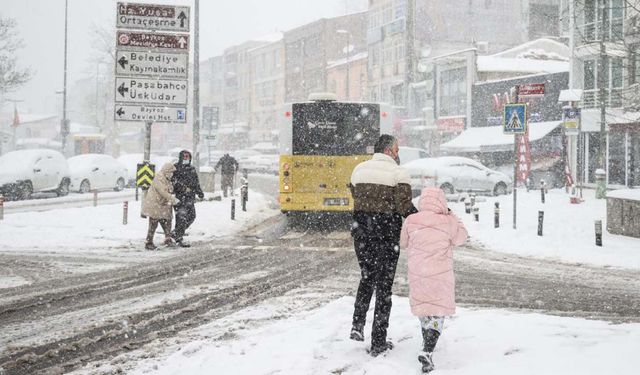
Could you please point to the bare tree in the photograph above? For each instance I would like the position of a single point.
(11, 75)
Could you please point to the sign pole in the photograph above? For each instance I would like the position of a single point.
(196, 83)
(147, 150)
(515, 167)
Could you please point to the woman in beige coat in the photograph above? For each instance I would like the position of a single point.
(157, 205)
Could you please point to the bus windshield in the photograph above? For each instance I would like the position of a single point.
(335, 129)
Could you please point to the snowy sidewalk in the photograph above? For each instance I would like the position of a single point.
(475, 341)
(101, 228)
(568, 233)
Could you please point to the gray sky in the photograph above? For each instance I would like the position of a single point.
(223, 23)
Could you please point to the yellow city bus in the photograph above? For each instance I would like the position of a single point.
(321, 141)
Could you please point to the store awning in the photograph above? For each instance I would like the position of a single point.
(492, 138)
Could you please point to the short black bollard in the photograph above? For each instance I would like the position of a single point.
(125, 212)
(540, 222)
(598, 225)
(233, 209)
(542, 191)
(467, 206)
(1, 205)
(243, 197)
(496, 215)
(476, 213)
(136, 193)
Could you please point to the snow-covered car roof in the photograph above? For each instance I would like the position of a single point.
(19, 157)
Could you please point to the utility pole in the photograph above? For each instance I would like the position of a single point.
(196, 83)
(409, 50)
(602, 73)
(64, 126)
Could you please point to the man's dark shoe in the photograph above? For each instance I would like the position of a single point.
(183, 244)
(376, 350)
(357, 333)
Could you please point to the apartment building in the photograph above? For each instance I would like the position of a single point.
(267, 89)
(605, 68)
(309, 49)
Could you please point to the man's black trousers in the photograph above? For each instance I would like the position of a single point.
(185, 216)
(378, 258)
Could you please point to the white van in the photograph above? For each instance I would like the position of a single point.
(24, 172)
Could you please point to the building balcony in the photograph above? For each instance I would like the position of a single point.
(591, 98)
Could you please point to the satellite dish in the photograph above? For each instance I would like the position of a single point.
(425, 51)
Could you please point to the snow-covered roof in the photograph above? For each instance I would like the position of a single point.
(357, 56)
(492, 138)
(519, 65)
(542, 48)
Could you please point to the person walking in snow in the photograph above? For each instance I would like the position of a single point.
(430, 236)
(186, 186)
(157, 205)
(228, 166)
(381, 193)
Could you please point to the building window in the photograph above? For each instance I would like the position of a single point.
(617, 175)
(453, 92)
(613, 27)
(613, 82)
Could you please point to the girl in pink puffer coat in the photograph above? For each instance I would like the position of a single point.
(430, 236)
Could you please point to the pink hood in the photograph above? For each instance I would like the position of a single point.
(432, 199)
(429, 236)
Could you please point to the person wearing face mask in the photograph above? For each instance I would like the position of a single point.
(381, 194)
(185, 187)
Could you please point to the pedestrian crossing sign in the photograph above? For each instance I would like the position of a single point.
(515, 118)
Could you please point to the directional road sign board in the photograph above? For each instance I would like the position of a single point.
(153, 17)
(151, 91)
(152, 64)
(145, 41)
(515, 118)
(154, 113)
(144, 175)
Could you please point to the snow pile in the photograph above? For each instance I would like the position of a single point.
(475, 341)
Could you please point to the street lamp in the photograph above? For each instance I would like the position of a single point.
(348, 53)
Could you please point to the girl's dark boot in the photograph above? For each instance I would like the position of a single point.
(429, 340)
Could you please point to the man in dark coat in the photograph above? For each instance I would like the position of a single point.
(381, 193)
(185, 187)
(228, 167)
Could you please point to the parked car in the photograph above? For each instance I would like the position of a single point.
(408, 154)
(456, 174)
(96, 172)
(25, 172)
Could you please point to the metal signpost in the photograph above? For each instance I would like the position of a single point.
(151, 68)
(210, 119)
(515, 122)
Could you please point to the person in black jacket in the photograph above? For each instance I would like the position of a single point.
(381, 193)
(228, 166)
(185, 187)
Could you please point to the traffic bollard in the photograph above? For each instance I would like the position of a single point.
(95, 198)
(233, 209)
(1, 207)
(136, 193)
(125, 212)
(540, 222)
(496, 215)
(476, 213)
(473, 200)
(598, 225)
(467, 206)
(542, 189)
(243, 197)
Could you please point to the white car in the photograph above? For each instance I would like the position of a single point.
(96, 172)
(24, 172)
(456, 174)
(408, 154)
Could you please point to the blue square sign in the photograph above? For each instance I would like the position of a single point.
(515, 118)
